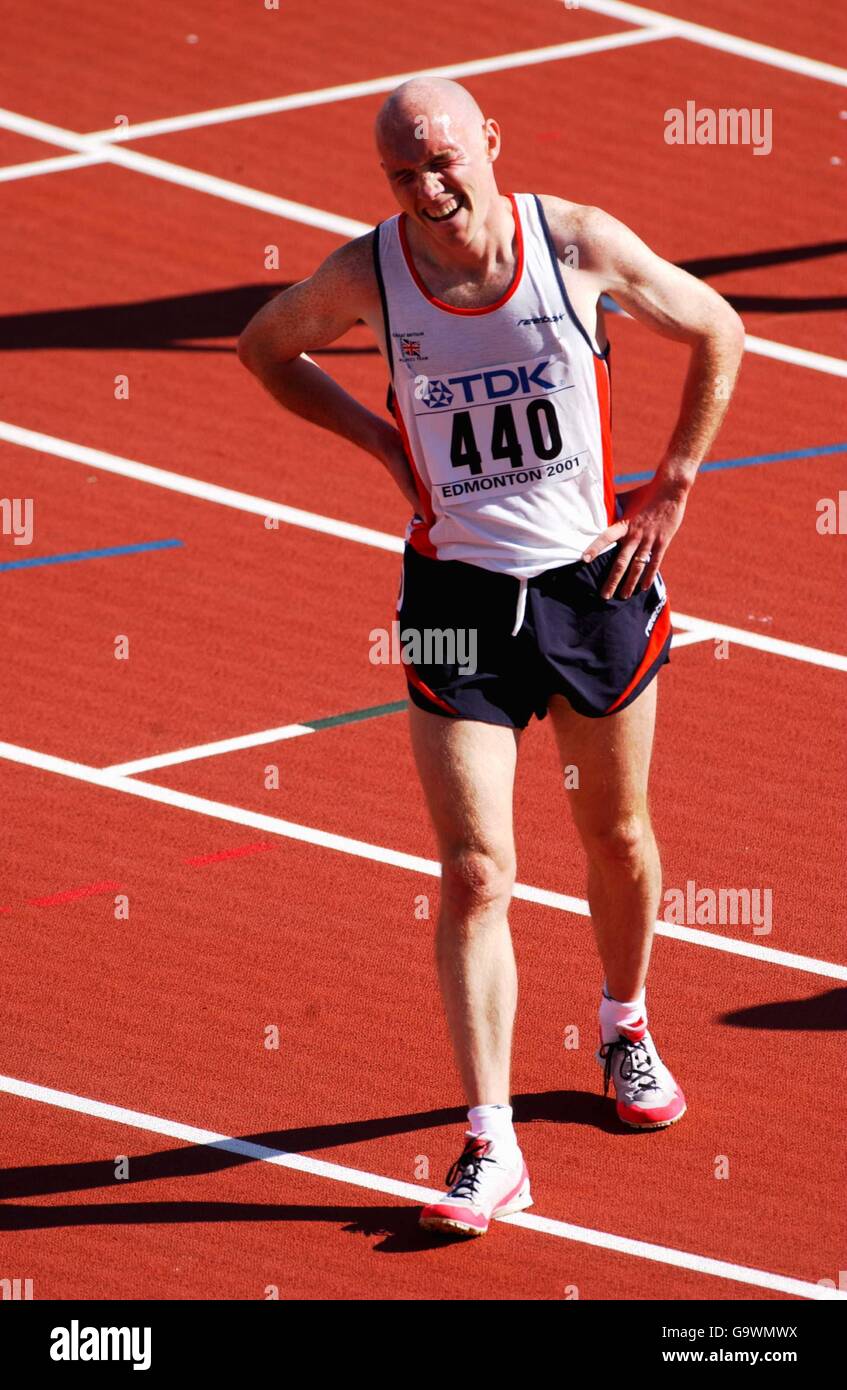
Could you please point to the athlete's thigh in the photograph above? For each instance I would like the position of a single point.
(467, 771)
(611, 756)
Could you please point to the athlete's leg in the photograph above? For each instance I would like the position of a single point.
(612, 755)
(467, 772)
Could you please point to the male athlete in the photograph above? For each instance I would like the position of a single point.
(487, 309)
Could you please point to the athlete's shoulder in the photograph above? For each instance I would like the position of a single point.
(354, 260)
(584, 235)
(347, 276)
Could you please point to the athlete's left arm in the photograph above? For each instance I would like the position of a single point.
(679, 306)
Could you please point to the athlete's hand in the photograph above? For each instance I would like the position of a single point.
(393, 455)
(652, 515)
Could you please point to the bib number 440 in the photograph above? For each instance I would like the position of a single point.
(505, 442)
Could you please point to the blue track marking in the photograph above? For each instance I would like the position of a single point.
(818, 452)
(88, 555)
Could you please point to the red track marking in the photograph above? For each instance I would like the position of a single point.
(763, 769)
(340, 924)
(217, 858)
(72, 895)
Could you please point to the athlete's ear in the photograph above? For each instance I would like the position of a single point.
(491, 132)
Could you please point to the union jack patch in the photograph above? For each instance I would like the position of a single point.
(410, 347)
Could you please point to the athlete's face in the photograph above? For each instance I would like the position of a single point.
(441, 172)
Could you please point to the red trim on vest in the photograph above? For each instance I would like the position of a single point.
(419, 536)
(451, 308)
(604, 402)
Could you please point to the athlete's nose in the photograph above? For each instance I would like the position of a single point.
(431, 184)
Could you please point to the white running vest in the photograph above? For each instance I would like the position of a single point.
(505, 411)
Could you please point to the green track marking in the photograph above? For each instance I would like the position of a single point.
(374, 712)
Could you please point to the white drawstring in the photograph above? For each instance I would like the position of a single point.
(521, 607)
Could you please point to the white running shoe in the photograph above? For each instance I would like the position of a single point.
(646, 1094)
(482, 1188)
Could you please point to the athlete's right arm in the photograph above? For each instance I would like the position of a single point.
(312, 314)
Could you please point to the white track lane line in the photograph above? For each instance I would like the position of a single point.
(185, 178)
(345, 530)
(685, 639)
(211, 750)
(295, 101)
(759, 642)
(717, 38)
(766, 347)
(796, 357)
(53, 165)
(361, 849)
(412, 1192)
(195, 487)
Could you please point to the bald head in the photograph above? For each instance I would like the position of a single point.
(428, 105)
(438, 153)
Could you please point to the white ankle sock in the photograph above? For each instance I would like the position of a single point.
(616, 1013)
(494, 1121)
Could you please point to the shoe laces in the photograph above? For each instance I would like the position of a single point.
(464, 1174)
(637, 1064)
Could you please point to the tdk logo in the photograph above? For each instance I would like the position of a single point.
(494, 385)
(543, 318)
(437, 394)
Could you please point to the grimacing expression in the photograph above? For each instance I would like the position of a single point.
(440, 170)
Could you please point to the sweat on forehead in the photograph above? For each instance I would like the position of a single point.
(447, 108)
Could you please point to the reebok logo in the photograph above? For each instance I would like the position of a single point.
(541, 318)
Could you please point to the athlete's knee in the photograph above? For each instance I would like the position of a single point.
(473, 879)
(624, 840)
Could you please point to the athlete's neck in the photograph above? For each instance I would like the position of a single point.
(491, 247)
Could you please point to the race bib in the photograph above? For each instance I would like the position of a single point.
(497, 429)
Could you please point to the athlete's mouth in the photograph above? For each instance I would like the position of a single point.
(445, 210)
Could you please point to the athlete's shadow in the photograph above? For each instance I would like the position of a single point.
(822, 1013)
(175, 322)
(707, 267)
(557, 1107)
(168, 324)
(396, 1227)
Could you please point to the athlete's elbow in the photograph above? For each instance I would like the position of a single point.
(739, 331)
(727, 327)
(247, 348)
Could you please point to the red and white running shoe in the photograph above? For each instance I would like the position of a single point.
(646, 1094)
(482, 1188)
